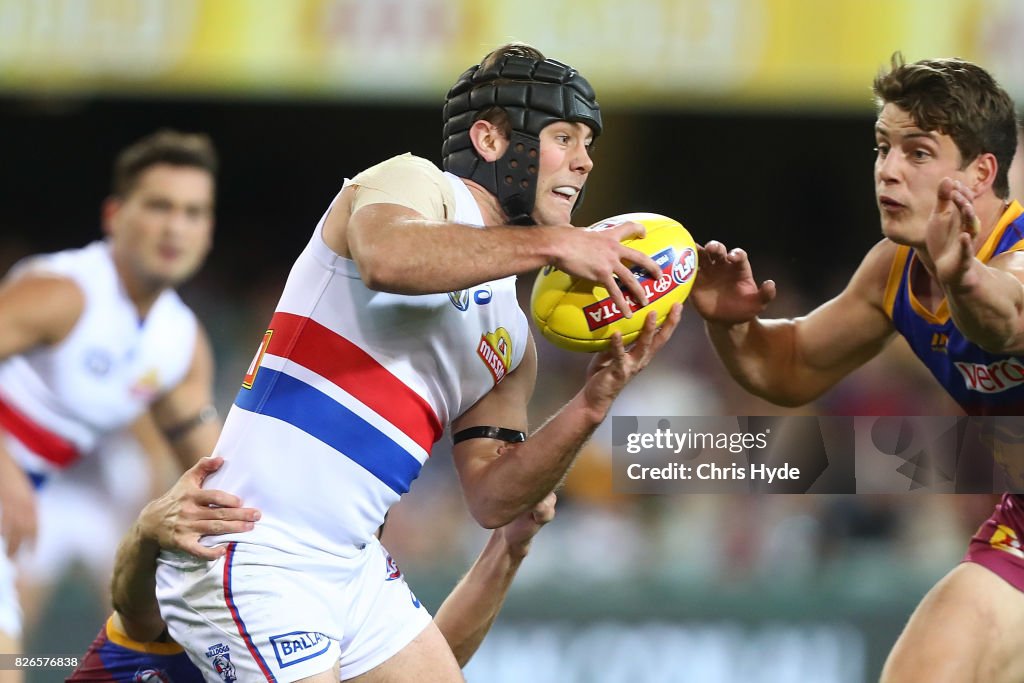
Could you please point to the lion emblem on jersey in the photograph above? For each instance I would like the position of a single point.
(150, 676)
(1004, 538)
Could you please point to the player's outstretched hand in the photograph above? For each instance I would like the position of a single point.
(187, 512)
(600, 256)
(725, 290)
(518, 533)
(613, 368)
(952, 227)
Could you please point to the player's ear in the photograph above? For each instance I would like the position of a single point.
(489, 141)
(982, 173)
(108, 213)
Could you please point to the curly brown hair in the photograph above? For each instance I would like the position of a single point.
(959, 99)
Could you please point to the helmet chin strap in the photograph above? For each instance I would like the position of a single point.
(534, 94)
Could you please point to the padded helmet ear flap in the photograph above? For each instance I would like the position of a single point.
(534, 93)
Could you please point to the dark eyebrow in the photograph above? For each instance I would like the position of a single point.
(923, 134)
(929, 135)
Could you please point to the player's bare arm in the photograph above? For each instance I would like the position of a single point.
(160, 458)
(502, 480)
(174, 521)
(985, 300)
(398, 250)
(35, 310)
(793, 361)
(469, 611)
(185, 414)
(19, 522)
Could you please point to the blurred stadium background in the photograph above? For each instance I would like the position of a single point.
(750, 121)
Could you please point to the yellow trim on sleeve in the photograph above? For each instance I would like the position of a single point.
(1010, 215)
(892, 286)
(941, 314)
(118, 637)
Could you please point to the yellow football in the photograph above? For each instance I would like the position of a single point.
(578, 315)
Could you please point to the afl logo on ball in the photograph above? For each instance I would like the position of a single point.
(685, 267)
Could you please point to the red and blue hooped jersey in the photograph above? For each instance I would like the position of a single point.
(982, 383)
(115, 658)
(350, 389)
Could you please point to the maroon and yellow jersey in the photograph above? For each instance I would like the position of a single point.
(115, 658)
(982, 383)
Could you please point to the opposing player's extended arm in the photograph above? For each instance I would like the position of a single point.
(792, 362)
(174, 521)
(469, 611)
(186, 414)
(501, 480)
(986, 301)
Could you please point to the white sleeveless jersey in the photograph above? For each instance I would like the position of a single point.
(57, 401)
(349, 390)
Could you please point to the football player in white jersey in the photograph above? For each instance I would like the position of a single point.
(398, 319)
(91, 338)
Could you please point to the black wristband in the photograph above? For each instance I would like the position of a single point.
(511, 435)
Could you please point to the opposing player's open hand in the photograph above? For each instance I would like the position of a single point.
(518, 533)
(187, 512)
(612, 369)
(600, 256)
(725, 291)
(952, 227)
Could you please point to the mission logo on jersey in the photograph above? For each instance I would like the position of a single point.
(495, 350)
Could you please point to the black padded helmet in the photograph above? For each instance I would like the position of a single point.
(534, 93)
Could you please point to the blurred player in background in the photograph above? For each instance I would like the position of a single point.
(400, 317)
(134, 642)
(91, 338)
(103, 507)
(947, 277)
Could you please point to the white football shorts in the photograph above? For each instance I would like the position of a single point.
(258, 614)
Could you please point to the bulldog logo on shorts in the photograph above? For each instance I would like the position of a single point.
(220, 658)
(150, 676)
(392, 568)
